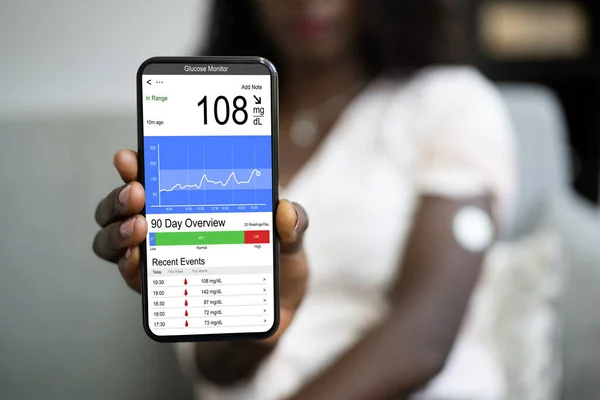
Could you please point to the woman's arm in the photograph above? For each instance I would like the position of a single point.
(430, 300)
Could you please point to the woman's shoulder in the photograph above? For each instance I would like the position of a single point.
(442, 74)
(453, 87)
(437, 93)
(449, 76)
(458, 121)
(441, 98)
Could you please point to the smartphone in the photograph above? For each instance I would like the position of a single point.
(207, 147)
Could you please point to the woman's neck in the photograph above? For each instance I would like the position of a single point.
(310, 84)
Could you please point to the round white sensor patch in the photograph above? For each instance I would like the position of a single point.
(473, 229)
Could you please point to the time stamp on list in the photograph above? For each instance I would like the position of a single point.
(208, 179)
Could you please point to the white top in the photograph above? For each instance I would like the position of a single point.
(444, 132)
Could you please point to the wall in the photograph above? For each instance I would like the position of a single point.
(70, 328)
(74, 56)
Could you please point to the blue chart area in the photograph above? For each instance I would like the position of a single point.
(196, 174)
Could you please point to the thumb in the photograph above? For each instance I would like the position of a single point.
(291, 220)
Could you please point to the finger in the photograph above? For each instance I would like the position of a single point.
(126, 163)
(110, 243)
(129, 267)
(292, 221)
(122, 202)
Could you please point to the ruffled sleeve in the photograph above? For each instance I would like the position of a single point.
(462, 137)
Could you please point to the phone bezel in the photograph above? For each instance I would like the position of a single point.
(275, 189)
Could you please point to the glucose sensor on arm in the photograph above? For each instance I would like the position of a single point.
(473, 229)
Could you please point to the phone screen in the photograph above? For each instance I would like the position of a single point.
(208, 141)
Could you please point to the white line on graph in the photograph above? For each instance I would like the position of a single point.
(204, 178)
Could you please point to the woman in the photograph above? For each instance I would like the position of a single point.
(384, 150)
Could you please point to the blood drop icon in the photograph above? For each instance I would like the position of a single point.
(186, 313)
(185, 281)
(186, 324)
(186, 303)
(185, 292)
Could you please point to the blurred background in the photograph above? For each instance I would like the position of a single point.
(71, 329)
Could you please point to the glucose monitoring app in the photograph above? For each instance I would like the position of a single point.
(208, 179)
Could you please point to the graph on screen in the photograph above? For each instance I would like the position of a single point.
(191, 174)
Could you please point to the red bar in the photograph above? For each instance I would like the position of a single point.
(256, 236)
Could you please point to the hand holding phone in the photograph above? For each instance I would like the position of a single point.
(124, 229)
(122, 217)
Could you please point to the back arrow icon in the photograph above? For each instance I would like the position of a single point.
(148, 82)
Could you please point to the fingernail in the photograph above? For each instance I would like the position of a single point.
(127, 227)
(124, 195)
(128, 253)
(297, 219)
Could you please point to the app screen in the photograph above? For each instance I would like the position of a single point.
(209, 198)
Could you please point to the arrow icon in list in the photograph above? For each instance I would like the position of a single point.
(257, 100)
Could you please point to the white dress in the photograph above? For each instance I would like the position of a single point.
(443, 132)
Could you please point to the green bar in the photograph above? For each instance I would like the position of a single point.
(198, 238)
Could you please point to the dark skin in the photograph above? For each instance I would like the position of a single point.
(430, 298)
(408, 349)
(124, 229)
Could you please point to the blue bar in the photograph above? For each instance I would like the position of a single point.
(208, 174)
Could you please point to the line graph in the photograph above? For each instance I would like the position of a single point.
(206, 179)
(192, 174)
